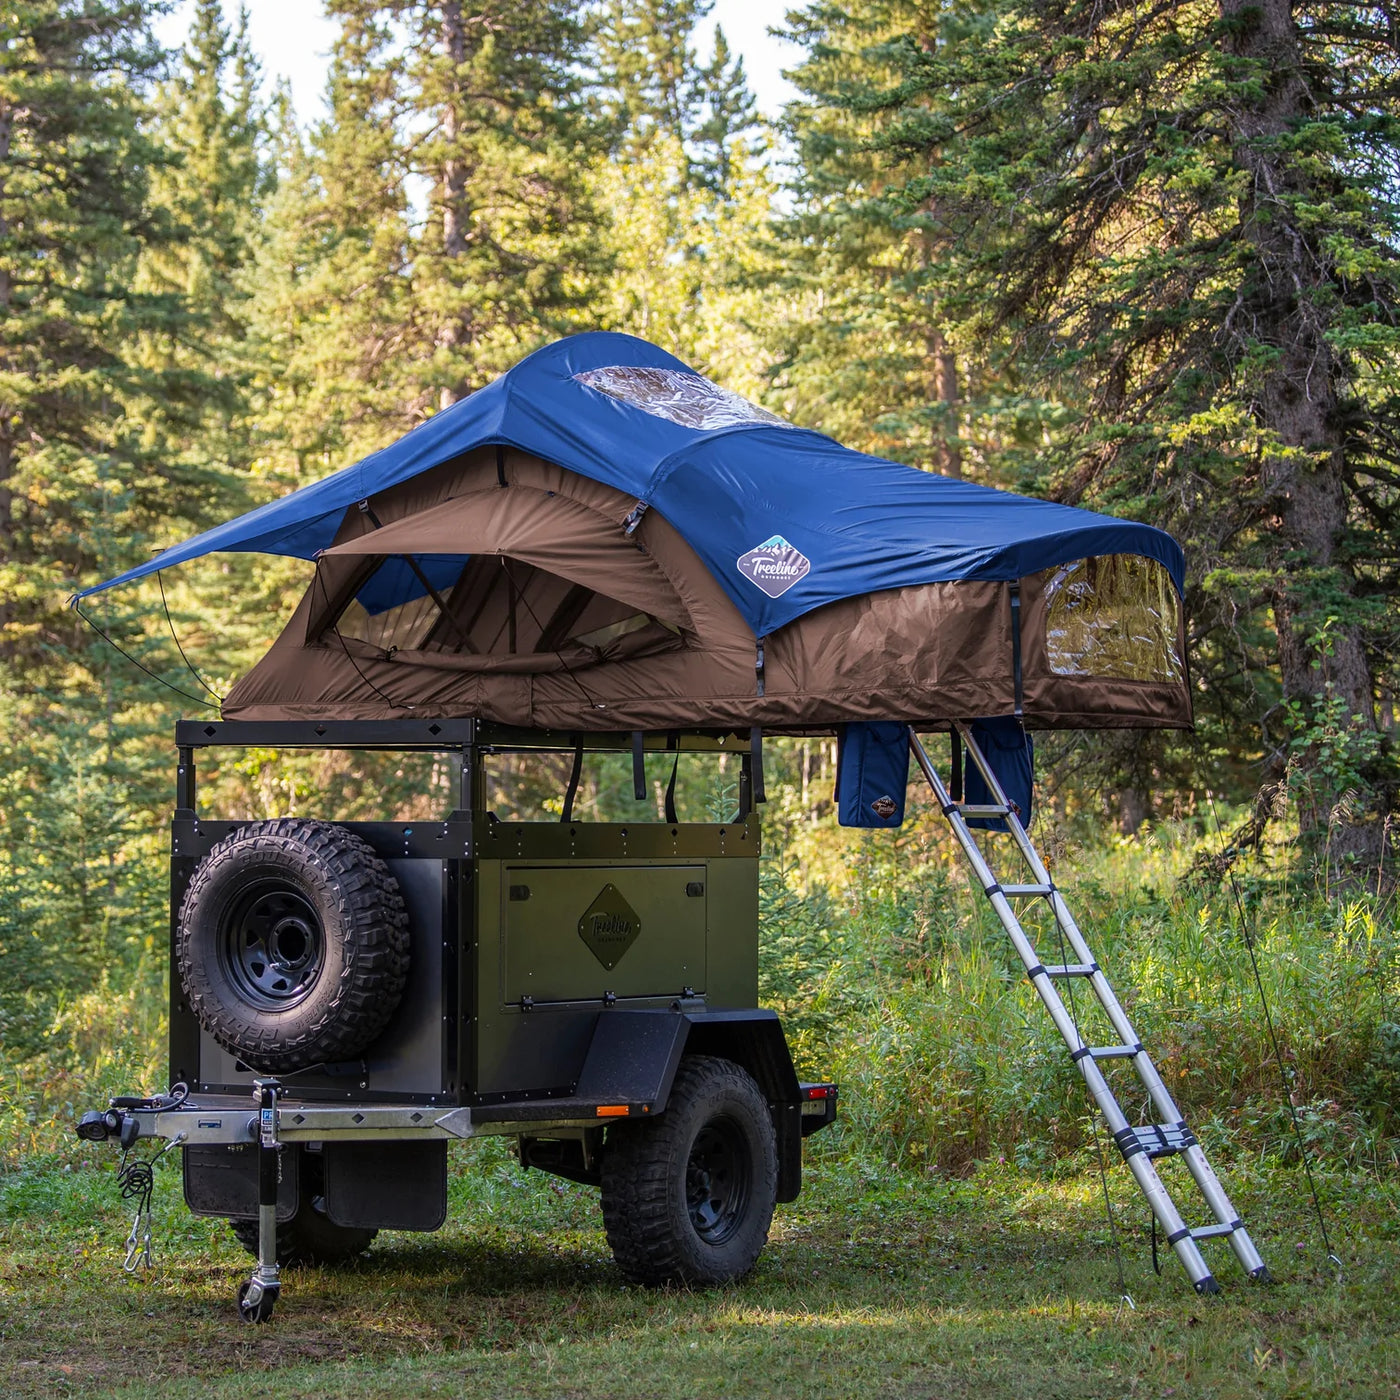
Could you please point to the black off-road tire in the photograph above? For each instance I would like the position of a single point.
(688, 1196)
(292, 944)
(310, 1237)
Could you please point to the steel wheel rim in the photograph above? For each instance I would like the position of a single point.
(272, 945)
(717, 1180)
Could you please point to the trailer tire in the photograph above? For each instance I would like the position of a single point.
(292, 944)
(310, 1237)
(688, 1196)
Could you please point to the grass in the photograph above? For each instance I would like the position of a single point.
(877, 1282)
(951, 1240)
(893, 975)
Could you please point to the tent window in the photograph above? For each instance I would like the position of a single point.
(679, 396)
(1114, 616)
(498, 606)
(402, 627)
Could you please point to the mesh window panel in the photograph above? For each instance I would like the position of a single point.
(1113, 616)
(403, 627)
(679, 396)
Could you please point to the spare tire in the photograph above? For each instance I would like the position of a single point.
(292, 944)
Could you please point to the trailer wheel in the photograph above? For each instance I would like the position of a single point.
(310, 1237)
(688, 1196)
(292, 944)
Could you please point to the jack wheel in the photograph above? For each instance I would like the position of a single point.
(257, 1300)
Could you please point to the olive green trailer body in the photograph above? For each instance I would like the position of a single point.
(347, 999)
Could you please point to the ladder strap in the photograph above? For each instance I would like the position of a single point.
(1035, 971)
(1016, 646)
(991, 890)
(639, 765)
(1077, 1055)
(567, 814)
(673, 741)
(1180, 1234)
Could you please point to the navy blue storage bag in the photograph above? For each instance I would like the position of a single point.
(1010, 754)
(872, 769)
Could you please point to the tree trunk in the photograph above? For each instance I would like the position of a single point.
(7, 443)
(943, 373)
(453, 180)
(1134, 808)
(1322, 660)
(8, 412)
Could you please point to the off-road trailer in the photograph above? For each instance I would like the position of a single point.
(587, 988)
(603, 538)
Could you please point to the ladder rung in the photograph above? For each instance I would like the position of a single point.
(1027, 889)
(1214, 1232)
(1071, 970)
(1115, 1052)
(967, 810)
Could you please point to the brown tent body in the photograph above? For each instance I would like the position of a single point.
(562, 619)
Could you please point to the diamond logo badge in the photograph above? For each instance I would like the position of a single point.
(774, 566)
(609, 927)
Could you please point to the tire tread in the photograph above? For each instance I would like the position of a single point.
(367, 904)
(642, 1161)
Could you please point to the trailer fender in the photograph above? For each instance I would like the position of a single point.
(633, 1057)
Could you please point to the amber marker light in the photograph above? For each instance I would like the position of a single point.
(612, 1110)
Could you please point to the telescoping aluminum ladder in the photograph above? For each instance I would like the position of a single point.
(1140, 1146)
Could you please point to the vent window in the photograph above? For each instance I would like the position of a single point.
(679, 396)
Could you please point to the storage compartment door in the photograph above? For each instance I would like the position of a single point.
(572, 933)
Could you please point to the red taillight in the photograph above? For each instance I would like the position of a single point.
(821, 1091)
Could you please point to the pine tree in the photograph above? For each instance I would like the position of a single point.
(210, 122)
(82, 486)
(645, 59)
(728, 115)
(654, 88)
(868, 354)
(1183, 219)
(334, 325)
(688, 190)
(506, 258)
(93, 471)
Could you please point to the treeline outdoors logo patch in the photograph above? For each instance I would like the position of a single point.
(884, 807)
(775, 565)
(609, 926)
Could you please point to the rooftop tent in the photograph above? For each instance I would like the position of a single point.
(603, 539)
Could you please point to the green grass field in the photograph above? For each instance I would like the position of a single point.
(951, 1240)
(876, 1283)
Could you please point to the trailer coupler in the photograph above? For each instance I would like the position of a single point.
(118, 1119)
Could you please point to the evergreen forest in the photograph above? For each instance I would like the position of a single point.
(1141, 256)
